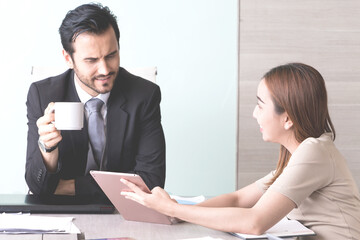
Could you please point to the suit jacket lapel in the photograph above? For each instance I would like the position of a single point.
(72, 95)
(117, 120)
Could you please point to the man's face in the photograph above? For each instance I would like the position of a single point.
(95, 61)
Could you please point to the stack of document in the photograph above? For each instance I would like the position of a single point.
(284, 228)
(26, 223)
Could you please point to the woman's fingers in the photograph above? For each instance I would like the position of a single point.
(158, 199)
(132, 196)
(131, 185)
(136, 194)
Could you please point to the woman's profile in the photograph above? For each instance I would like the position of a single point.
(311, 183)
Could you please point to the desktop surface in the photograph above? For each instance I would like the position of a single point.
(100, 226)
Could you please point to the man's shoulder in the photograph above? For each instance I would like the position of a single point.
(134, 89)
(55, 82)
(132, 82)
(55, 88)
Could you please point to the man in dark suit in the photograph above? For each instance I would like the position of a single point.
(59, 162)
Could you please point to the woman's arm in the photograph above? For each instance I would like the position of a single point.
(246, 197)
(268, 210)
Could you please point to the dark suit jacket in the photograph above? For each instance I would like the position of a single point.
(135, 139)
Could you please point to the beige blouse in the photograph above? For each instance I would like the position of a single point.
(317, 179)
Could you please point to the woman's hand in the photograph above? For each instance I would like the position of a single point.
(158, 199)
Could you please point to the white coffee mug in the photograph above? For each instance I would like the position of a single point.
(69, 115)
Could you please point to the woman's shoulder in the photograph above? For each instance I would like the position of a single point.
(312, 143)
(315, 149)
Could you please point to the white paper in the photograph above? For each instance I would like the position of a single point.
(25, 223)
(284, 228)
(188, 200)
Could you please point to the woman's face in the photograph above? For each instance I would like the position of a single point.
(272, 125)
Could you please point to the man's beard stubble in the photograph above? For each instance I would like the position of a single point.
(92, 86)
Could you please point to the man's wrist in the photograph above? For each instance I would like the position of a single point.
(46, 149)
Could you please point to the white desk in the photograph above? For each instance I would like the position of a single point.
(113, 225)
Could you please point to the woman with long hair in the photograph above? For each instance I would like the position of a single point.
(312, 182)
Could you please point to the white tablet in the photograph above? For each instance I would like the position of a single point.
(110, 183)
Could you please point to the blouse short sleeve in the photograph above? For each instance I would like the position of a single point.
(309, 169)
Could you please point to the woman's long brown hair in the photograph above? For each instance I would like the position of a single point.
(299, 90)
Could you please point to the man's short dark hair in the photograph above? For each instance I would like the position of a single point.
(93, 18)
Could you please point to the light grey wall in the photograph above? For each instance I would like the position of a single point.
(321, 33)
(194, 46)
